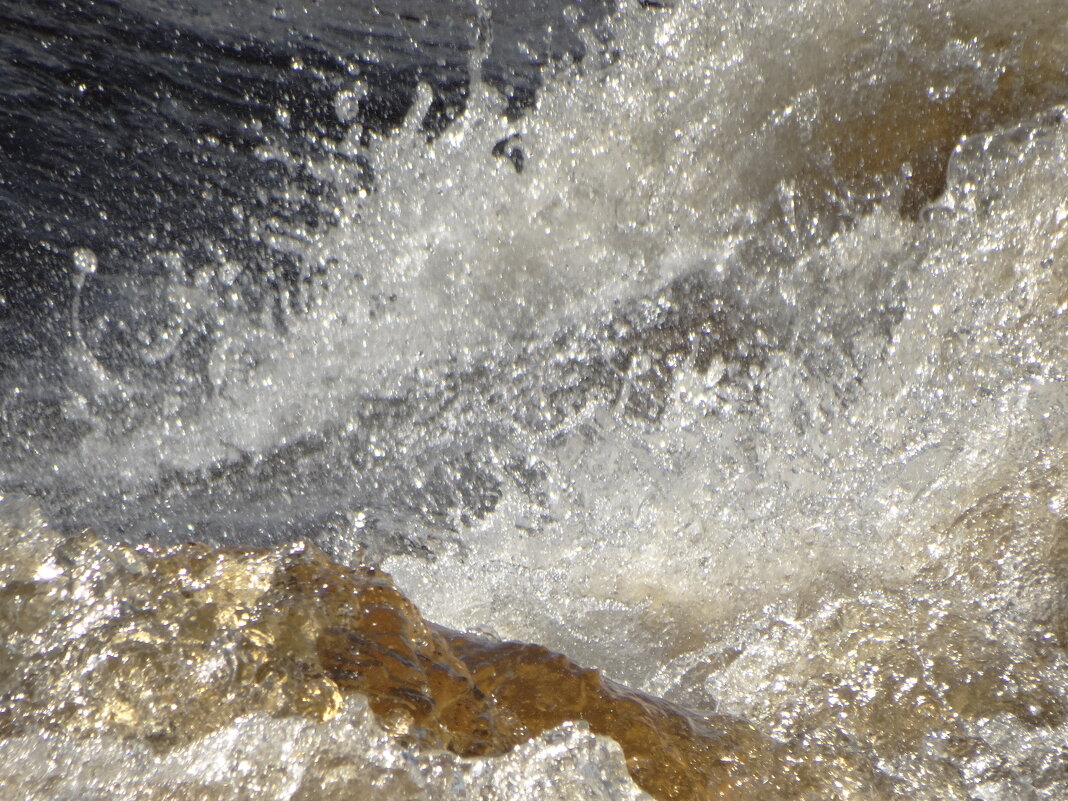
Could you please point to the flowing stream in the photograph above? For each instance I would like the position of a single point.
(721, 347)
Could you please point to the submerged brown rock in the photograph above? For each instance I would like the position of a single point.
(671, 753)
(907, 109)
(112, 649)
(167, 645)
(479, 697)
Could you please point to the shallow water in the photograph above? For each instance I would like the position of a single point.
(721, 348)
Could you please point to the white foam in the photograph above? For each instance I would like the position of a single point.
(705, 515)
(288, 759)
(635, 172)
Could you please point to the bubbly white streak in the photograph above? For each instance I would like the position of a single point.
(258, 758)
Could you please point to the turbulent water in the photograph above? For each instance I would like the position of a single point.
(721, 347)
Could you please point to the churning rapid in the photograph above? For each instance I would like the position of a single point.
(720, 347)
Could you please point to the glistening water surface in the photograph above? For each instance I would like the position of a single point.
(719, 347)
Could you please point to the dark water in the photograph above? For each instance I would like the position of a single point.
(130, 131)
